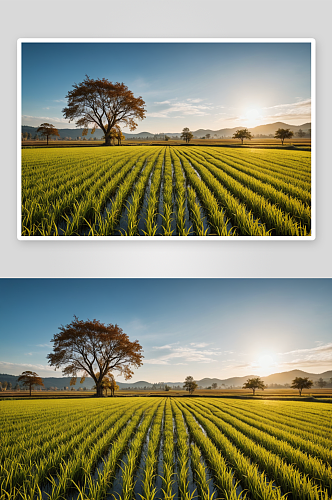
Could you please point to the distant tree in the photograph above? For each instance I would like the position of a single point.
(167, 388)
(309, 132)
(29, 379)
(186, 135)
(93, 347)
(47, 130)
(214, 385)
(207, 136)
(4, 385)
(10, 386)
(17, 387)
(283, 133)
(321, 383)
(242, 134)
(301, 383)
(189, 384)
(254, 383)
(167, 138)
(104, 104)
(300, 133)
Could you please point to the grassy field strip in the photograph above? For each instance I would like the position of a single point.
(152, 207)
(210, 444)
(195, 213)
(168, 209)
(42, 440)
(280, 443)
(296, 208)
(182, 446)
(168, 455)
(304, 195)
(79, 468)
(269, 214)
(286, 476)
(50, 187)
(210, 191)
(48, 461)
(296, 160)
(87, 487)
(216, 215)
(281, 423)
(121, 185)
(96, 198)
(134, 204)
(288, 165)
(182, 215)
(132, 458)
(303, 182)
(304, 418)
(54, 160)
(148, 483)
(101, 182)
(199, 471)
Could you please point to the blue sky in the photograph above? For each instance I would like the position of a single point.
(200, 327)
(195, 85)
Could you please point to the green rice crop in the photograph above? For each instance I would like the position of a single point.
(165, 191)
(164, 448)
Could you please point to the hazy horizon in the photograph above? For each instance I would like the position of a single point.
(195, 85)
(216, 328)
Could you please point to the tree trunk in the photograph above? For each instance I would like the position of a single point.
(47, 140)
(242, 141)
(30, 390)
(99, 391)
(108, 140)
(253, 392)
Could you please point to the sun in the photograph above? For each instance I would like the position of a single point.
(266, 362)
(252, 117)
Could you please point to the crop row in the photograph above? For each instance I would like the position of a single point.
(165, 191)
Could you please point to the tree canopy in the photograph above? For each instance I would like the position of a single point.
(254, 383)
(283, 133)
(95, 349)
(103, 105)
(189, 384)
(301, 383)
(242, 134)
(186, 135)
(29, 379)
(47, 130)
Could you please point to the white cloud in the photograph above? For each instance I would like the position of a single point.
(18, 367)
(51, 119)
(295, 110)
(194, 352)
(43, 345)
(182, 108)
(59, 100)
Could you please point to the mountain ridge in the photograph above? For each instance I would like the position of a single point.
(281, 378)
(269, 128)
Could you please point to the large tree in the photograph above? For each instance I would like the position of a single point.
(242, 134)
(95, 349)
(29, 379)
(103, 105)
(189, 384)
(254, 383)
(283, 133)
(47, 130)
(301, 383)
(186, 135)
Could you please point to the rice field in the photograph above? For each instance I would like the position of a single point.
(165, 448)
(165, 191)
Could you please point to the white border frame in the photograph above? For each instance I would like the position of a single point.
(312, 41)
